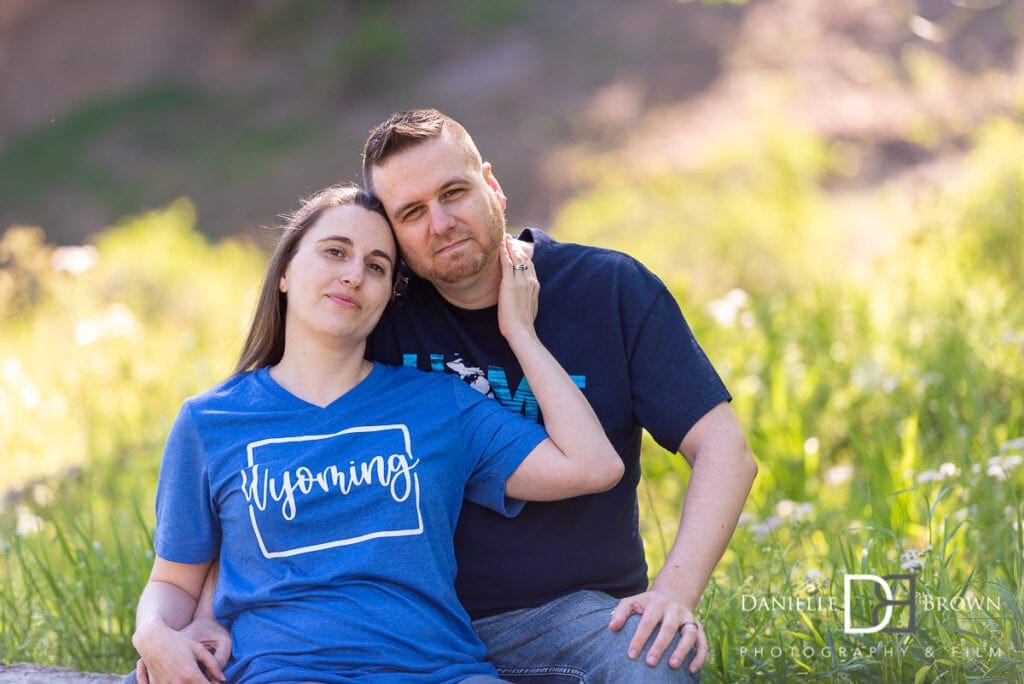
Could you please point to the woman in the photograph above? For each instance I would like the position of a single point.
(329, 486)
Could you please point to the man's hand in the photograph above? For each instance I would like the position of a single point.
(657, 607)
(171, 656)
(214, 637)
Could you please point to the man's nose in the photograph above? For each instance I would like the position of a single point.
(441, 220)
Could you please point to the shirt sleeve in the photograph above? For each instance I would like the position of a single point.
(673, 383)
(496, 441)
(187, 526)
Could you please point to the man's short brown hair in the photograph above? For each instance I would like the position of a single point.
(404, 130)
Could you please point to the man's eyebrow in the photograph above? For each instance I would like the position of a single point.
(444, 187)
(348, 241)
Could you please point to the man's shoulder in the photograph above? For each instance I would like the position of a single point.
(572, 267)
(574, 254)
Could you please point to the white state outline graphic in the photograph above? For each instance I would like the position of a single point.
(339, 542)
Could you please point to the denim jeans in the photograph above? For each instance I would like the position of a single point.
(475, 679)
(567, 641)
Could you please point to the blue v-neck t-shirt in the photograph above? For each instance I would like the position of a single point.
(334, 524)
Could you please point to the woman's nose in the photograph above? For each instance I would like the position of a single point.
(352, 274)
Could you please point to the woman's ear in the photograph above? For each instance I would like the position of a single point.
(282, 284)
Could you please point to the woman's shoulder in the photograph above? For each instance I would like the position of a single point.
(229, 392)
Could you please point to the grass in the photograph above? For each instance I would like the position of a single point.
(882, 398)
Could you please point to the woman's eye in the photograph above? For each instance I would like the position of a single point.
(335, 252)
(377, 268)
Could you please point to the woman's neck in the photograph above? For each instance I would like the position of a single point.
(320, 375)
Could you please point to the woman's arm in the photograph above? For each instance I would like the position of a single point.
(166, 605)
(577, 458)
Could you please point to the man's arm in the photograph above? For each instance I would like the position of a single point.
(723, 472)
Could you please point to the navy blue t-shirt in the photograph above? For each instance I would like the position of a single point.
(620, 335)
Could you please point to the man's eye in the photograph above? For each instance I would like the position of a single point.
(454, 193)
(412, 214)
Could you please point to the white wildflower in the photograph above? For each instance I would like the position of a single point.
(912, 559)
(766, 526)
(74, 259)
(838, 474)
(815, 580)
(945, 470)
(27, 522)
(811, 446)
(1012, 445)
(998, 466)
(726, 310)
(12, 371)
(30, 396)
(116, 321)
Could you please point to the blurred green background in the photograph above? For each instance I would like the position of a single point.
(833, 191)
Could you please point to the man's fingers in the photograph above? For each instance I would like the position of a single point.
(141, 674)
(702, 650)
(221, 650)
(207, 663)
(620, 614)
(686, 642)
(644, 630)
(666, 635)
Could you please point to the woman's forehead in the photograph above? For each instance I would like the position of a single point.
(361, 226)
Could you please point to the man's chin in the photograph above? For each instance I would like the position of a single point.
(455, 271)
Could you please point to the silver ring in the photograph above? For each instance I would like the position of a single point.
(688, 622)
(522, 267)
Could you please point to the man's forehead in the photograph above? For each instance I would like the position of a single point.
(422, 168)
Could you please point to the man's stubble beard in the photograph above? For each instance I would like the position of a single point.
(472, 265)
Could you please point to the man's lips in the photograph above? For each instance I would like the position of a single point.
(451, 246)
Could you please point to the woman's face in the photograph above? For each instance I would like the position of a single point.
(340, 279)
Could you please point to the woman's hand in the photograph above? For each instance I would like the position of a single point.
(170, 656)
(517, 297)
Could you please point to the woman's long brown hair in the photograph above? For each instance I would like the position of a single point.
(264, 345)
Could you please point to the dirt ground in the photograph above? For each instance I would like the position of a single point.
(26, 673)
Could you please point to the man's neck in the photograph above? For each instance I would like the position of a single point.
(478, 292)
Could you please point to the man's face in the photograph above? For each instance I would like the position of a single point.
(447, 211)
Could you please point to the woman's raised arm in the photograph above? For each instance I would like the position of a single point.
(577, 458)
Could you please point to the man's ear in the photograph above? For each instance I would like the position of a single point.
(492, 182)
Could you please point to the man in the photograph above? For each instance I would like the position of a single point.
(551, 590)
